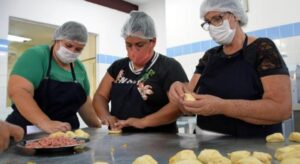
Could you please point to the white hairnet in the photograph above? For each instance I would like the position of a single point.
(139, 25)
(233, 6)
(71, 31)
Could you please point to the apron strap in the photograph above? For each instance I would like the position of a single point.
(49, 67)
(73, 73)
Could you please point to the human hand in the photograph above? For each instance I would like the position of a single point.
(205, 105)
(110, 121)
(176, 92)
(54, 126)
(8, 130)
(133, 122)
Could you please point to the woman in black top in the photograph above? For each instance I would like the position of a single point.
(137, 85)
(242, 87)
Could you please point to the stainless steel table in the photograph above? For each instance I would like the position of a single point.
(124, 148)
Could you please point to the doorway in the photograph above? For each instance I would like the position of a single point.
(41, 33)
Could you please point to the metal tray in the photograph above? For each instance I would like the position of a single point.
(70, 148)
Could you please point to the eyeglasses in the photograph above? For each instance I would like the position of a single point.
(216, 20)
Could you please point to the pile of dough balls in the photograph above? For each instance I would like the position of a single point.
(79, 133)
(288, 154)
(211, 156)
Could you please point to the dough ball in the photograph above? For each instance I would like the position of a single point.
(189, 97)
(114, 131)
(98, 162)
(188, 161)
(265, 158)
(81, 134)
(57, 134)
(182, 155)
(290, 161)
(237, 155)
(145, 159)
(295, 137)
(208, 155)
(70, 134)
(287, 152)
(276, 137)
(249, 160)
(219, 160)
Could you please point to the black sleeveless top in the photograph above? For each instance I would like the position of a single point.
(238, 77)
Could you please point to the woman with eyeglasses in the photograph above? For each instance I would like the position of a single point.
(242, 87)
(137, 85)
(49, 85)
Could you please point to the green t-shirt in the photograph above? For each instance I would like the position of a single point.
(33, 65)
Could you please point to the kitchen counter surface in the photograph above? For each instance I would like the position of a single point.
(124, 148)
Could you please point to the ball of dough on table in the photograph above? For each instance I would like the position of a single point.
(58, 134)
(237, 155)
(207, 155)
(114, 131)
(81, 134)
(70, 134)
(188, 161)
(219, 160)
(98, 162)
(182, 155)
(287, 152)
(290, 161)
(265, 158)
(248, 160)
(145, 159)
(275, 137)
(189, 97)
(294, 136)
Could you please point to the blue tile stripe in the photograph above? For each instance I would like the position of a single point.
(277, 32)
(4, 45)
(106, 59)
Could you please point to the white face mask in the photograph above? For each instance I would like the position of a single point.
(222, 34)
(66, 56)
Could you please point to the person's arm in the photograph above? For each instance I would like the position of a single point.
(101, 100)
(8, 130)
(274, 107)
(21, 92)
(88, 114)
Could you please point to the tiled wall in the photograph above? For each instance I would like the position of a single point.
(277, 32)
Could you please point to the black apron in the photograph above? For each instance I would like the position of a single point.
(127, 102)
(232, 78)
(60, 101)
